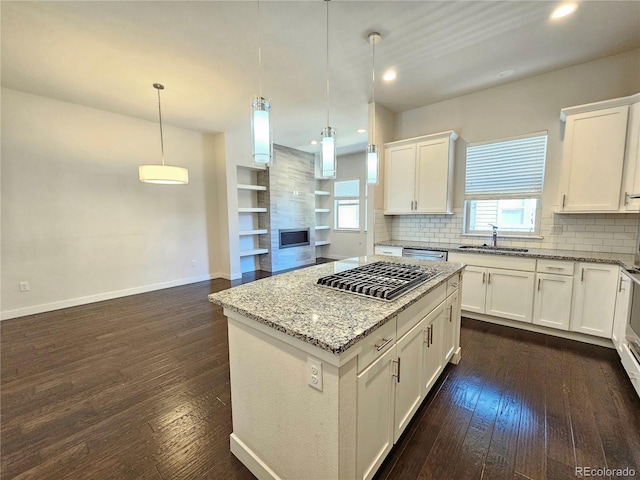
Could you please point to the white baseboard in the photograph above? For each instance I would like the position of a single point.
(251, 460)
(580, 337)
(74, 302)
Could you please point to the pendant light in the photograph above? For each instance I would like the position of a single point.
(372, 150)
(164, 174)
(328, 165)
(260, 122)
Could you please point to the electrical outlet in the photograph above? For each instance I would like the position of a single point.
(24, 286)
(314, 373)
(556, 229)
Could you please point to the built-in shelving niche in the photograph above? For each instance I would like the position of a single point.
(252, 220)
(324, 218)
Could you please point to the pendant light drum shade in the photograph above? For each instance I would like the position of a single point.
(261, 132)
(163, 174)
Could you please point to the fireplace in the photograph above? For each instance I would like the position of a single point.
(294, 237)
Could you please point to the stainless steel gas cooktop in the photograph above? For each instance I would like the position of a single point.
(379, 280)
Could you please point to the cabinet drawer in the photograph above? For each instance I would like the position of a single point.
(388, 250)
(416, 312)
(376, 344)
(555, 266)
(452, 284)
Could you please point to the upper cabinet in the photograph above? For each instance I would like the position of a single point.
(598, 164)
(419, 174)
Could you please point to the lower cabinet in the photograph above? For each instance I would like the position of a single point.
(391, 389)
(622, 311)
(552, 304)
(499, 292)
(376, 401)
(594, 299)
(510, 294)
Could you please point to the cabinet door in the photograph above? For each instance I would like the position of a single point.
(432, 177)
(622, 309)
(400, 178)
(552, 305)
(594, 299)
(433, 347)
(451, 322)
(592, 162)
(510, 294)
(475, 287)
(632, 160)
(409, 380)
(376, 394)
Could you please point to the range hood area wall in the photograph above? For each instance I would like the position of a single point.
(290, 203)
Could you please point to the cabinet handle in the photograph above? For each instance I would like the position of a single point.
(582, 276)
(431, 335)
(416, 204)
(483, 275)
(555, 268)
(384, 343)
(398, 376)
(626, 198)
(620, 285)
(564, 196)
(454, 285)
(539, 284)
(450, 313)
(489, 279)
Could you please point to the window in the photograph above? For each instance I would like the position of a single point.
(347, 204)
(503, 185)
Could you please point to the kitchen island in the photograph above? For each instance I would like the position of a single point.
(324, 382)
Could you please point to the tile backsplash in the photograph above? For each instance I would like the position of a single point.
(610, 232)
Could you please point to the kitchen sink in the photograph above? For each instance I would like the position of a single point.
(490, 247)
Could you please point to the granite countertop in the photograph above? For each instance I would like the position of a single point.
(331, 320)
(624, 260)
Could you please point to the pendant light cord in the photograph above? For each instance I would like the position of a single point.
(328, 103)
(161, 137)
(373, 91)
(259, 56)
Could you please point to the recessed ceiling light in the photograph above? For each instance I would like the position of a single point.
(314, 142)
(506, 73)
(388, 76)
(563, 10)
(361, 130)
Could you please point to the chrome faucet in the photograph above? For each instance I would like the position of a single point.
(494, 235)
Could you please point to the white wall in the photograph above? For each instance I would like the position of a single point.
(345, 244)
(76, 222)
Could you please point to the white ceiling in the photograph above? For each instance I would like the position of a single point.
(106, 55)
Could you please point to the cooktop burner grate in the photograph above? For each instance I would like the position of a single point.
(380, 280)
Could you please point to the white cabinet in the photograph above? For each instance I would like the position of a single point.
(376, 399)
(433, 348)
(475, 289)
(600, 157)
(554, 287)
(622, 310)
(419, 174)
(451, 324)
(510, 294)
(594, 299)
(632, 156)
(552, 304)
(409, 387)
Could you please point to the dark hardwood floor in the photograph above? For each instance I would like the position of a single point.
(138, 387)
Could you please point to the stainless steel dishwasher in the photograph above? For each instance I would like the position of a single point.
(424, 254)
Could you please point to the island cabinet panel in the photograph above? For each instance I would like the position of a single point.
(376, 402)
(433, 348)
(451, 325)
(409, 380)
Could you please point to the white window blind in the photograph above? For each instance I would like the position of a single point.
(346, 188)
(509, 168)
